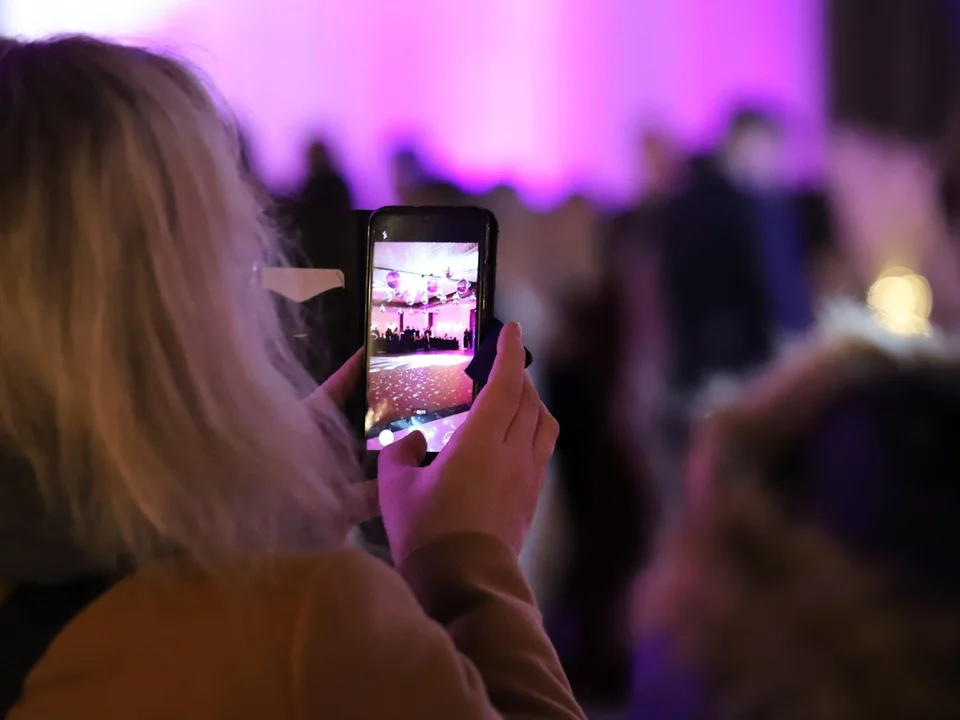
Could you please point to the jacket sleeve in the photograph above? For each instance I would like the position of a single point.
(461, 638)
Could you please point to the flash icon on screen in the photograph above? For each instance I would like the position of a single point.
(384, 234)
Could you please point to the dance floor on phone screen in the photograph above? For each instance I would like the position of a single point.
(427, 382)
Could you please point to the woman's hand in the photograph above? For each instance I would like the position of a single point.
(344, 381)
(359, 501)
(488, 477)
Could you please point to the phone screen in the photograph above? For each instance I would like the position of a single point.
(422, 332)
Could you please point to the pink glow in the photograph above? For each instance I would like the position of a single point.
(548, 94)
(414, 320)
(452, 320)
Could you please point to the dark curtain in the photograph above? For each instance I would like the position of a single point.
(894, 65)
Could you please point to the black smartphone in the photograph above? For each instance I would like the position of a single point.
(430, 287)
(330, 326)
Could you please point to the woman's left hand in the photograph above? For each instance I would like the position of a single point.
(344, 381)
(360, 500)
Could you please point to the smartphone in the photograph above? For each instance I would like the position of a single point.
(430, 288)
(330, 326)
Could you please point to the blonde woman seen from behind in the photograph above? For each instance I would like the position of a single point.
(152, 433)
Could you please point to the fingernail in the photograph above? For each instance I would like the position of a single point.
(517, 330)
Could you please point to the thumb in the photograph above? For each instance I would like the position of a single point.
(408, 452)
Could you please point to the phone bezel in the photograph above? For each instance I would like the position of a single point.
(431, 225)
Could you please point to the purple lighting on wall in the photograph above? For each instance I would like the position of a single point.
(546, 94)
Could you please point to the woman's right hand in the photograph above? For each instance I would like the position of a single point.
(488, 477)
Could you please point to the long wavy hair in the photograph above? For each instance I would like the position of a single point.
(144, 378)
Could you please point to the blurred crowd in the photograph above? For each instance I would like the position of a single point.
(639, 315)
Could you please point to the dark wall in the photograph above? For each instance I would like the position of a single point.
(894, 64)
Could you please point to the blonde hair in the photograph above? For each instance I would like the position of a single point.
(144, 375)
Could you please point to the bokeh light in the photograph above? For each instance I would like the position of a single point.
(902, 301)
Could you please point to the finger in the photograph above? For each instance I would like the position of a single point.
(498, 402)
(361, 502)
(524, 425)
(700, 466)
(545, 437)
(408, 452)
(343, 382)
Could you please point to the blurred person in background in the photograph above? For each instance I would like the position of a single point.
(325, 189)
(568, 251)
(753, 159)
(172, 509)
(813, 573)
(733, 274)
(407, 175)
(414, 184)
(317, 219)
(518, 264)
(662, 161)
(604, 493)
(633, 246)
(661, 169)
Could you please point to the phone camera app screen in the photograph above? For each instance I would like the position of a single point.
(423, 323)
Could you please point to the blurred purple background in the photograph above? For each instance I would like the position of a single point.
(549, 95)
